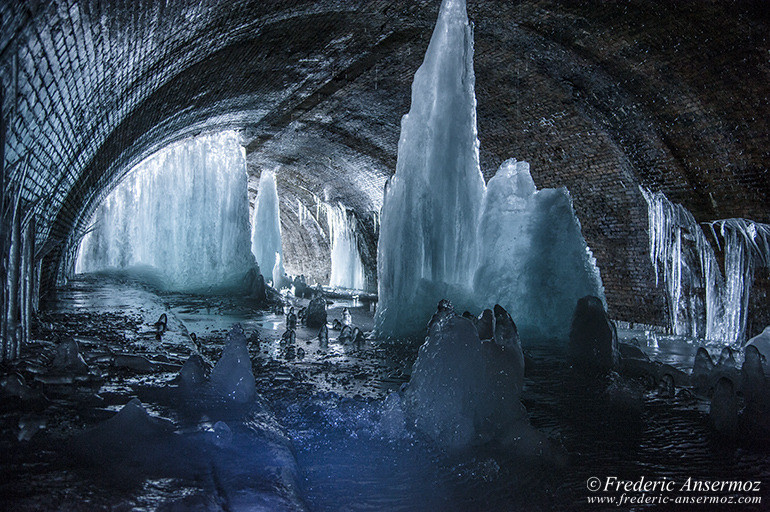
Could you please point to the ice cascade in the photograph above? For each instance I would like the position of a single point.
(183, 211)
(703, 302)
(266, 230)
(445, 234)
(347, 269)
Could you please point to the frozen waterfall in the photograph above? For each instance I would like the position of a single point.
(347, 270)
(266, 230)
(183, 211)
(444, 234)
(703, 302)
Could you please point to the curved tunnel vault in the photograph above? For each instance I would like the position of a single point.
(600, 98)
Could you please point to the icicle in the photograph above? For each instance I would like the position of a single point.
(746, 246)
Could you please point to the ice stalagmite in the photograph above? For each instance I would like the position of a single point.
(183, 211)
(266, 230)
(431, 204)
(444, 234)
(533, 259)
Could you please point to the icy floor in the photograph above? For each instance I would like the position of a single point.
(322, 418)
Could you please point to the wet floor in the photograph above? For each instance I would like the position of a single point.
(324, 435)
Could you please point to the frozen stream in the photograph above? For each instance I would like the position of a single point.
(322, 437)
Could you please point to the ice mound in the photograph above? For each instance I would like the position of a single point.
(593, 343)
(762, 342)
(232, 377)
(702, 371)
(193, 373)
(462, 391)
(316, 312)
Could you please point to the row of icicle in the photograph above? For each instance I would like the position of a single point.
(19, 262)
(702, 301)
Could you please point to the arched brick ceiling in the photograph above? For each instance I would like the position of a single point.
(599, 97)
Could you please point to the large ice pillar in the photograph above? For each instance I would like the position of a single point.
(445, 235)
(347, 268)
(431, 205)
(183, 211)
(533, 259)
(266, 230)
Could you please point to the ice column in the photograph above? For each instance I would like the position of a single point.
(183, 211)
(347, 269)
(266, 230)
(524, 250)
(431, 205)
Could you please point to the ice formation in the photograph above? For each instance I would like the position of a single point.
(347, 270)
(761, 342)
(431, 204)
(232, 377)
(266, 230)
(702, 301)
(462, 390)
(183, 211)
(533, 258)
(444, 233)
(593, 343)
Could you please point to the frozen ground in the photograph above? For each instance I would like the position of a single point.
(326, 432)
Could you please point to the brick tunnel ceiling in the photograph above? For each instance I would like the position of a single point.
(598, 97)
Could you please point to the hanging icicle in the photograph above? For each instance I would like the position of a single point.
(702, 301)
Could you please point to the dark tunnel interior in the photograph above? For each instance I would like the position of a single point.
(151, 150)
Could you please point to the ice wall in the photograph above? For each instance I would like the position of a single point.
(444, 234)
(534, 260)
(266, 230)
(347, 269)
(183, 211)
(703, 302)
(431, 204)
